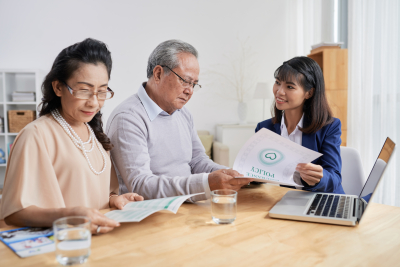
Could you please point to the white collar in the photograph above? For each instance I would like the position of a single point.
(283, 125)
(151, 107)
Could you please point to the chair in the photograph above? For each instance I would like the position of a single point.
(217, 151)
(353, 178)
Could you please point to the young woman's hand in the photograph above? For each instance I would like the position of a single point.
(100, 223)
(310, 173)
(120, 201)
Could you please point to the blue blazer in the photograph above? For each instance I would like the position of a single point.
(327, 142)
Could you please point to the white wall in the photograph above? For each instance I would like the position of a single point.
(32, 33)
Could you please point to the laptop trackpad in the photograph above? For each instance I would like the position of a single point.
(294, 201)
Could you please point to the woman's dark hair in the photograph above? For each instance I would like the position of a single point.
(308, 75)
(89, 51)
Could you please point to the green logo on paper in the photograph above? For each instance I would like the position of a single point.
(270, 156)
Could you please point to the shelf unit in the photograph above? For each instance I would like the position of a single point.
(12, 80)
(334, 64)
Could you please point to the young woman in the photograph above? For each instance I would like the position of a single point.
(59, 164)
(302, 115)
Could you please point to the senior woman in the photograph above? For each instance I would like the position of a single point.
(59, 164)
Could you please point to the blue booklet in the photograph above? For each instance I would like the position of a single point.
(29, 241)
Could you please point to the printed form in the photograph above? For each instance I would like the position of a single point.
(271, 158)
(138, 210)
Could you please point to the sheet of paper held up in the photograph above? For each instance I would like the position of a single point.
(269, 157)
(137, 211)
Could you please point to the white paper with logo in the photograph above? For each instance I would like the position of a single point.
(269, 157)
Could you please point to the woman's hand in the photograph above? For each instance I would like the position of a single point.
(38, 217)
(120, 201)
(310, 173)
(100, 223)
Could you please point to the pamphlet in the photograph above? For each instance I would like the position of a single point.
(27, 241)
(138, 210)
(269, 157)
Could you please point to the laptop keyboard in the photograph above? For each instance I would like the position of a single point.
(330, 206)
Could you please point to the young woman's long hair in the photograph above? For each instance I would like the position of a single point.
(307, 73)
(89, 51)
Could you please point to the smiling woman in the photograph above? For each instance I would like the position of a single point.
(59, 165)
(302, 115)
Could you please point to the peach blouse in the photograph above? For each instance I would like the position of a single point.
(47, 170)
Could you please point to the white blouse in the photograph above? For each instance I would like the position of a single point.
(295, 136)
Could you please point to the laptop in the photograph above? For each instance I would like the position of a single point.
(333, 208)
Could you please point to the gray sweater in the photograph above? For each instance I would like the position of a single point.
(159, 158)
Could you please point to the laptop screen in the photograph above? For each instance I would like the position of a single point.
(376, 174)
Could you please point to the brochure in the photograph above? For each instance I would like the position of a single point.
(137, 211)
(269, 157)
(27, 241)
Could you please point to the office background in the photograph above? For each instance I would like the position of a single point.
(32, 33)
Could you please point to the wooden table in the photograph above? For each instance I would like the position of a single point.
(190, 238)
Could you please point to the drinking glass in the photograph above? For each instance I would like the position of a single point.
(223, 206)
(72, 237)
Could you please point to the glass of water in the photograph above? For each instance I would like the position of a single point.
(223, 206)
(72, 237)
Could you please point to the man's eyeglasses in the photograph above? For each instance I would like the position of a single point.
(186, 84)
(87, 94)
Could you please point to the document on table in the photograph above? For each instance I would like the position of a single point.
(29, 241)
(138, 210)
(269, 157)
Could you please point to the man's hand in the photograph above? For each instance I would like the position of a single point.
(310, 173)
(224, 179)
(120, 201)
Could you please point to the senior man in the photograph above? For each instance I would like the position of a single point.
(157, 152)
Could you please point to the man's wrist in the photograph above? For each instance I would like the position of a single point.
(206, 185)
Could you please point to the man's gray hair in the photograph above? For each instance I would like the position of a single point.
(166, 54)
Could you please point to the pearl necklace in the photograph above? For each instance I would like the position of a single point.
(78, 142)
(72, 134)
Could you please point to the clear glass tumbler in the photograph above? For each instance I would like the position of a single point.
(223, 206)
(72, 237)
